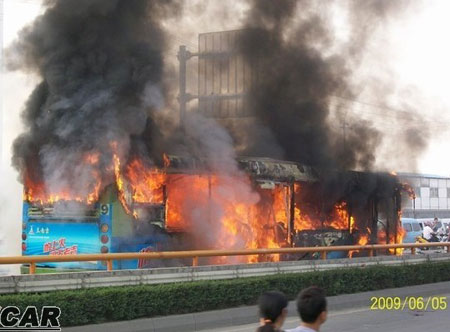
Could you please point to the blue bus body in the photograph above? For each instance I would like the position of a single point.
(103, 228)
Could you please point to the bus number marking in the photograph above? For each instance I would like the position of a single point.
(104, 209)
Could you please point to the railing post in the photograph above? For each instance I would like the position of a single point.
(448, 249)
(109, 266)
(370, 252)
(32, 268)
(413, 250)
(195, 261)
(324, 254)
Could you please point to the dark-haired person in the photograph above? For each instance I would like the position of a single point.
(273, 311)
(312, 309)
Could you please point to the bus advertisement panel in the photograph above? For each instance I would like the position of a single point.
(48, 232)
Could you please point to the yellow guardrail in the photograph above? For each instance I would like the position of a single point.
(195, 254)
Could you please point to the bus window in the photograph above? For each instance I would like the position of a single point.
(416, 227)
(407, 227)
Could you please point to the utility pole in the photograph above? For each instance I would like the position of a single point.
(344, 126)
(183, 98)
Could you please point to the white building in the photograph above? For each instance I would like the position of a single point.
(432, 196)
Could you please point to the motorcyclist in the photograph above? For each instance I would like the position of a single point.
(435, 226)
(429, 234)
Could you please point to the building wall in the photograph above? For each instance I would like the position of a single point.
(223, 76)
(432, 196)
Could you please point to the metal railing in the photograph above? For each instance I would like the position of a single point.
(196, 254)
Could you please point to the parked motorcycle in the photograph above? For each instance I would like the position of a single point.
(443, 237)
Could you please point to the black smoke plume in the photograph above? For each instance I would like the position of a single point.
(101, 66)
(289, 43)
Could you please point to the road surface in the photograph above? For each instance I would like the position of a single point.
(368, 320)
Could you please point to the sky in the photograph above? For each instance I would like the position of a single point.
(418, 59)
(421, 56)
(15, 87)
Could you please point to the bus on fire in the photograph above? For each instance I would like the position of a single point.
(170, 208)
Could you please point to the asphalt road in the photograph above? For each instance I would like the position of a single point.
(370, 320)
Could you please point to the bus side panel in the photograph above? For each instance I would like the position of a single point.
(144, 243)
(60, 238)
(122, 245)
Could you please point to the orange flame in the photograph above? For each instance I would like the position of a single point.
(401, 233)
(38, 193)
(146, 183)
(232, 218)
(341, 219)
(407, 187)
(362, 241)
(166, 160)
(120, 184)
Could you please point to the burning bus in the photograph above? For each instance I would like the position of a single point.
(182, 205)
(255, 164)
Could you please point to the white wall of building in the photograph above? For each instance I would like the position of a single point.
(432, 193)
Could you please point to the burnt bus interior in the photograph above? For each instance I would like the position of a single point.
(299, 210)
